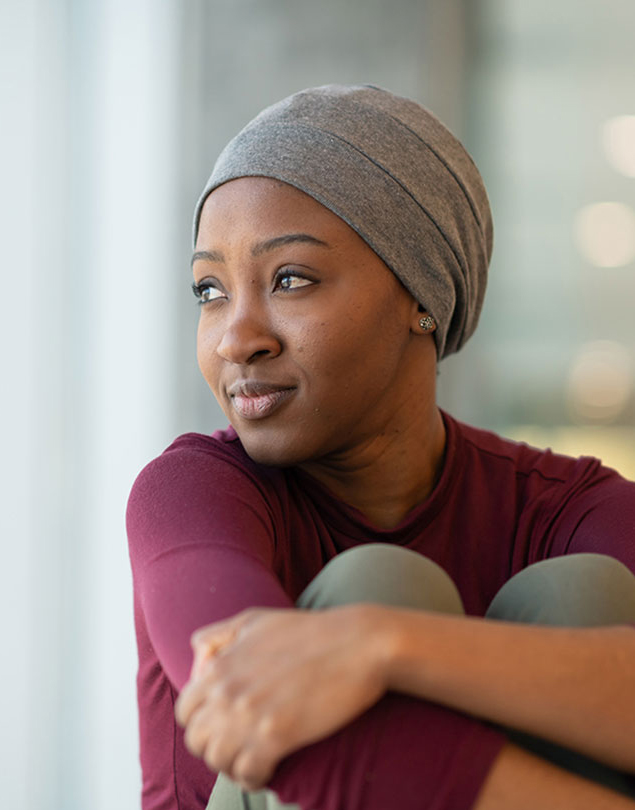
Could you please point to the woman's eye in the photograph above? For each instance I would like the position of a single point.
(206, 292)
(291, 281)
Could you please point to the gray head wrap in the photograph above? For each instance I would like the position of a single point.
(396, 175)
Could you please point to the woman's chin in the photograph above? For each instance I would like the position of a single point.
(271, 452)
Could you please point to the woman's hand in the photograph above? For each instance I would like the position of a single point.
(268, 682)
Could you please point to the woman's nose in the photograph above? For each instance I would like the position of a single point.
(247, 336)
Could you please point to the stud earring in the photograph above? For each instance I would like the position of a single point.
(427, 323)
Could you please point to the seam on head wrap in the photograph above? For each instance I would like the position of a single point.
(443, 162)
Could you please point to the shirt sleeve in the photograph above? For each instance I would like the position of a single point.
(403, 752)
(599, 518)
(202, 543)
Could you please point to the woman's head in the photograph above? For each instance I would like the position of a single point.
(310, 344)
(396, 175)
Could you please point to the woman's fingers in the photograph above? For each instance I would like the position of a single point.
(196, 692)
(271, 681)
(191, 696)
(208, 641)
(227, 728)
(199, 730)
(208, 645)
(253, 767)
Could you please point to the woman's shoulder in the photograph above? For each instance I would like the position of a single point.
(204, 490)
(539, 481)
(559, 503)
(206, 471)
(219, 454)
(520, 459)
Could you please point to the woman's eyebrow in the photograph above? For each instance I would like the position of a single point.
(286, 239)
(208, 256)
(262, 247)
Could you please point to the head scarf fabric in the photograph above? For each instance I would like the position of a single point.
(396, 175)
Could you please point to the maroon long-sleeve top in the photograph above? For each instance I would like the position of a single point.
(211, 533)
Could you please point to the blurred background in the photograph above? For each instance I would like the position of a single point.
(112, 115)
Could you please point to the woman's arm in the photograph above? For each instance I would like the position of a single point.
(318, 669)
(574, 687)
(519, 780)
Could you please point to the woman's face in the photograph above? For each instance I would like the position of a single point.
(305, 337)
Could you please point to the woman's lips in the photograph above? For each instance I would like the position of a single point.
(257, 404)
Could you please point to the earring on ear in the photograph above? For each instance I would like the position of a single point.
(427, 323)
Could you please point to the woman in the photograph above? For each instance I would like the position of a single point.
(341, 250)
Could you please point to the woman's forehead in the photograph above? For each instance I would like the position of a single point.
(265, 206)
(253, 189)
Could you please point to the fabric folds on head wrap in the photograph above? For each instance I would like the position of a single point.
(396, 175)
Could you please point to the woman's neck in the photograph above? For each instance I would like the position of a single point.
(391, 473)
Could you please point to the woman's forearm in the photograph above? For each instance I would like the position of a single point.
(574, 687)
(519, 780)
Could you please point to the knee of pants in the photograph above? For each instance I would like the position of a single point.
(383, 574)
(577, 590)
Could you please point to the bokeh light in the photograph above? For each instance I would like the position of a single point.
(605, 234)
(618, 142)
(600, 382)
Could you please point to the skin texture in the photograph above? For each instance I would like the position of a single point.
(520, 781)
(318, 339)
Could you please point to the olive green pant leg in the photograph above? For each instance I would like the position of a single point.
(375, 572)
(577, 590)
(382, 574)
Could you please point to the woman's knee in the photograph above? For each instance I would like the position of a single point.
(576, 590)
(383, 574)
